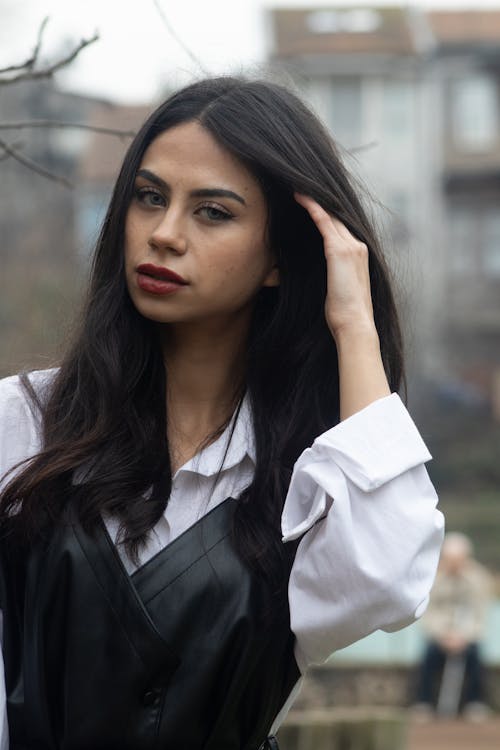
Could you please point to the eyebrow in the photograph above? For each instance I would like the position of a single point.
(200, 193)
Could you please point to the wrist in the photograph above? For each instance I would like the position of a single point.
(356, 334)
(362, 377)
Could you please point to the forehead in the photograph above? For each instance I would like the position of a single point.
(188, 153)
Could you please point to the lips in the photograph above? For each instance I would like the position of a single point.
(160, 273)
(158, 280)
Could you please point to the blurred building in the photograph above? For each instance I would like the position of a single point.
(414, 98)
(38, 285)
(99, 162)
(47, 219)
(48, 226)
(37, 214)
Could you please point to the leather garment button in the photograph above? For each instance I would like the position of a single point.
(150, 697)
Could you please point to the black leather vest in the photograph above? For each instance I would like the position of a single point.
(174, 656)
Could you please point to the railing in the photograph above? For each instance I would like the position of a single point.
(405, 646)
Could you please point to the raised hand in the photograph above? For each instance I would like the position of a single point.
(349, 312)
(348, 304)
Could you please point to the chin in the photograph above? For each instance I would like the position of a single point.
(154, 310)
(157, 316)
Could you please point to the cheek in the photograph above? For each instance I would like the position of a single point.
(241, 271)
(249, 258)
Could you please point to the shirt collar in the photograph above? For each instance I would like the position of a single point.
(230, 449)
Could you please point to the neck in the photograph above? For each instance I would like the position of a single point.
(203, 366)
(205, 373)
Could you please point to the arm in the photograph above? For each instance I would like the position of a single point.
(365, 510)
(19, 439)
(360, 497)
(4, 729)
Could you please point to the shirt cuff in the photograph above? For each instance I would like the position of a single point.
(376, 444)
(370, 448)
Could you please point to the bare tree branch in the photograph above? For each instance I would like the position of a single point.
(26, 71)
(11, 150)
(15, 146)
(38, 45)
(56, 124)
(357, 149)
(30, 62)
(177, 38)
(47, 72)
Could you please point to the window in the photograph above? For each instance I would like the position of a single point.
(356, 21)
(462, 240)
(398, 203)
(490, 245)
(398, 112)
(346, 112)
(91, 210)
(474, 237)
(474, 112)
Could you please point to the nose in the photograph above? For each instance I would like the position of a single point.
(169, 233)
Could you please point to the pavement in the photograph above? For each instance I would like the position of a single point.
(454, 735)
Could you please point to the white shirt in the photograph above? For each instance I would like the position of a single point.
(359, 497)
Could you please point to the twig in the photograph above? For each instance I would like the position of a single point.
(16, 146)
(38, 44)
(30, 62)
(362, 147)
(5, 155)
(56, 124)
(33, 165)
(177, 38)
(51, 69)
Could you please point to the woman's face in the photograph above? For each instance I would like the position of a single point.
(195, 233)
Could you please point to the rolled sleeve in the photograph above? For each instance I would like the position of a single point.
(4, 729)
(19, 440)
(19, 422)
(363, 504)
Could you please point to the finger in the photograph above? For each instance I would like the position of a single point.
(319, 214)
(322, 219)
(343, 230)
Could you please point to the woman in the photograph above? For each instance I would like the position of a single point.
(239, 306)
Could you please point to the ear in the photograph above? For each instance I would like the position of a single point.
(273, 277)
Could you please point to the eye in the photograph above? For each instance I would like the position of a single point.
(149, 197)
(214, 213)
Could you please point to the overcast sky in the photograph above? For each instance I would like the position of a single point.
(136, 56)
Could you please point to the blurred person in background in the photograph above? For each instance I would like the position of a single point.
(210, 493)
(451, 673)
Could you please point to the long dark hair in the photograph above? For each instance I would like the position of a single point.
(105, 416)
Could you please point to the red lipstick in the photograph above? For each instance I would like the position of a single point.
(158, 280)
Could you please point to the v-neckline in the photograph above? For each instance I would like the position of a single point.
(204, 523)
(169, 547)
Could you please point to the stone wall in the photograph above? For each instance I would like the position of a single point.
(344, 729)
(361, 685)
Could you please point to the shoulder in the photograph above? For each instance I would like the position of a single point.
(20, 424)
(14, 398)
(480, 578)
